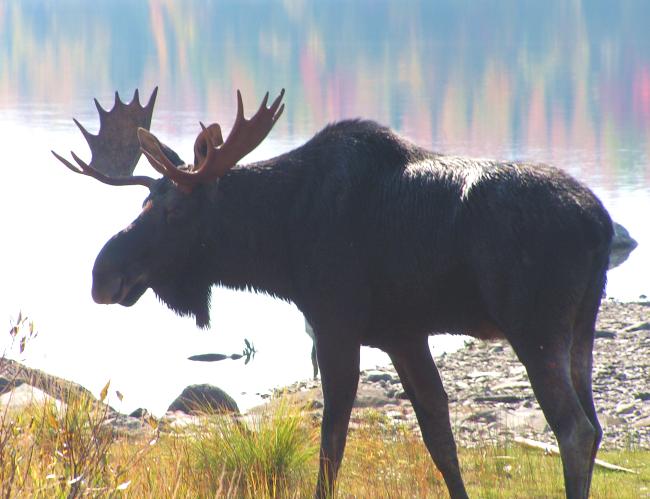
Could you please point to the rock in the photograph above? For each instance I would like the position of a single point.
(625, 408)
(15, 374)
(6, 385)
(201, 399)
(314, 404)
(371, 396)
(518, 370)
(639, 326)
(127, 424)
(642, 423)
(504, 399)
(483, 374)
(395, 415)
(511, 385)
(24, 396)
(622, 246)
(488, 416)
(524, 419)
(391, 392)
(375, 376)
(461, 385)
(140, 413)
(643, 396)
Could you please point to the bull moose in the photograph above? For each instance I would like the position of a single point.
(378, 242)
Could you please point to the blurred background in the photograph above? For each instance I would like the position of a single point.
(562, 82)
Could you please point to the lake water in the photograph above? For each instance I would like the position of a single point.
(566, 83)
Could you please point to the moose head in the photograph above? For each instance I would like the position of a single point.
(165, 245)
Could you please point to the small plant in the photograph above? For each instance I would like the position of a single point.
(263, 456)
(13, 463)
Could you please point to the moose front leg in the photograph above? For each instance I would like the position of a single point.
(338, 357)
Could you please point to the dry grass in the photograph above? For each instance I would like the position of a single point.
(76, 455)
(73, 451)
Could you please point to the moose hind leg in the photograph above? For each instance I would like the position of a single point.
(582, 358)
(550, 372)
(581, 367)
(422, 383)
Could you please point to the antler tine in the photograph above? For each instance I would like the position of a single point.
(87, 135)
(100, 109)
(246, 135)
(85, 169)
(264, 101)
(152, 99)
(66, 163)
(276, 103)
(278, 114)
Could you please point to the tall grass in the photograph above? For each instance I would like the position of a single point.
(265, 455)
(73, 450)
(275, 455)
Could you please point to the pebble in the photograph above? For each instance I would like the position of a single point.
(625, 408)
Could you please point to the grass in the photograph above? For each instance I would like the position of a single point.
(73, 451)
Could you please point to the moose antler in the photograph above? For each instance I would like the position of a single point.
(115, 149)
(212, 156)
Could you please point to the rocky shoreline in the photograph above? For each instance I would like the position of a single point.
(489, 393)
(490, 396)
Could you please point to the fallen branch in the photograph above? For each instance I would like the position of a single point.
(553, 449)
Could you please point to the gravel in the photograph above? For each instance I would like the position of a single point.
(490, 397)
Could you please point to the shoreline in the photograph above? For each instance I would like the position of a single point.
(489, 393)
(490, 398)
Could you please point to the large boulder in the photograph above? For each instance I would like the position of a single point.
(23, 396)
(14, 374)
(201, 399)
(22, 386)
(622, 246)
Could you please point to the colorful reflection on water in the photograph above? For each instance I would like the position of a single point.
(537, 78)
(562, 82)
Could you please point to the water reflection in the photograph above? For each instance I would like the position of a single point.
(556, 81)
(509, 77)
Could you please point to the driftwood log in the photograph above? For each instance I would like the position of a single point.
(553, 449)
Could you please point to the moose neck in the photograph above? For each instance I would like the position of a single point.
(252, 208)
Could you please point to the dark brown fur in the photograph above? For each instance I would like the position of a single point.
(382, 243)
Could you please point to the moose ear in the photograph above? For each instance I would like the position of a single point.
(162, 157)
(209, 137)
(171, 155)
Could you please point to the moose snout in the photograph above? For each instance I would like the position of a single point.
(106, 289)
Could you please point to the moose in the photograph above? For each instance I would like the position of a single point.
(378, 242)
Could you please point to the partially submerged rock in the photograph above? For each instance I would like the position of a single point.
(201, 399)
(622, 246)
